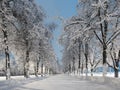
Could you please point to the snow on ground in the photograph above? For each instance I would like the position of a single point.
(109, 74)
(57, 82)
(98, 78)
(98, 74)
(16, 81)
(3, 78)
(65, 82)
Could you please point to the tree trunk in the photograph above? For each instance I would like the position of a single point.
(104, 41)
(86, 57)
(69, 69)
(42, 70)
(104, 30)
(36, 69)
(116, 73)
(26, 67)
(116, 70)
(7, 56)
(5, 33)
(79, 55)
(46, 70)
(104, 61)
(82, 69)
(73, 67)
(91, 70)
(8, 74)
(26, 70)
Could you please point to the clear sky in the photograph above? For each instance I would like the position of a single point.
(53, 9)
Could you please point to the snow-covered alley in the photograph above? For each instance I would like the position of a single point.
(58, 82)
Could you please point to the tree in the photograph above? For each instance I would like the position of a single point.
(29, 17)
(6, 19)
(26, 37)
(105, 14)
(114, 54)
(98, 18)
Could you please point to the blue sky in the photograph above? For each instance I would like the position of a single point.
(53, 9)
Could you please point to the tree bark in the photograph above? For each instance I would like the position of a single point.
(7, 56)
(91, 70)
(82, 69)
(104, 42)
(116, 73)
(26, 66)
(8, 73)
(36, 69)
(73, 66)
(116, 70)
(104, 61)
(86, 57)
(79, 55)
(69, 68)
(42, 70)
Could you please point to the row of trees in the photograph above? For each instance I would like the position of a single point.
(92, 37)
(25, 37)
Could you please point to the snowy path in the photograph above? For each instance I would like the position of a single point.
(64, 82)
